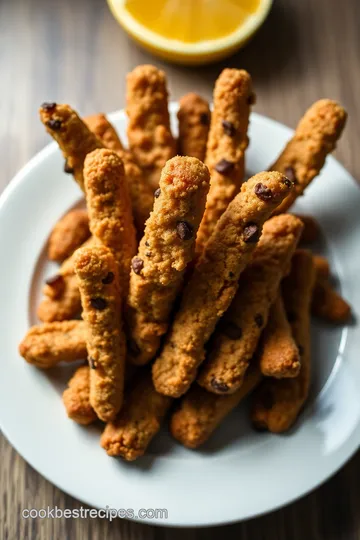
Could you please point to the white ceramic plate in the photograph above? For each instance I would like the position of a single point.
(239, 473)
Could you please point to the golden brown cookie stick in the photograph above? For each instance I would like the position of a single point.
(141, 194)
(279, 356)
(165, 250)
(322, 267)
(98, 281)
(194, 121)
(62, 297)
(237, 335)
(278, 402)
(214, 282)
(48, 344)
(200, 412)
(68, 234)
(304, 155)
(149, 134)
(131, 432)
(228, 140)
(76, 397)
(311, 231)
(109, 209)
(327, 303)
(72, 135)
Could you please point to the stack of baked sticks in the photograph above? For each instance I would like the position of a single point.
(182, 285)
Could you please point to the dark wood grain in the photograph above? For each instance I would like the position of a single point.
(73, 51)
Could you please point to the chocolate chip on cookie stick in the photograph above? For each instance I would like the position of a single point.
(194, 121)
(71, 134)
(141, 194)
(164, 252)
(237, 335)
(68, 234)
(131, 432)
(149, 133)
(279, 355)
(51, 343)
(304, 155)
(228, 140)
(214, 282)
(76, 397)
(278, 402)
(109, 208)
(200, 412)
(98, 281)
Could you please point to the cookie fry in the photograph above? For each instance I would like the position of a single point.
(68, 234)
(72, 135)
(311, 231)
(214, 282)
(131, 432)
(105, 131)
(237, 335)
(48, 344)
(109, 209)
(322, 267)
(76, 397)
(165, 250)
(149, 134)
(304, 155)
(194, 121)
(279, 355)
(278, 402)
(225, 155)
(98, 281)
(200, 412)
(327, 303)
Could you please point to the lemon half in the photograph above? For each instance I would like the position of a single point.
(191, 31)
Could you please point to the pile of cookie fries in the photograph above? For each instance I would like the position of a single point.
(182, 285)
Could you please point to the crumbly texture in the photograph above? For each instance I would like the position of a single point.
(322, 267)
(72, 135)
(194, 122)
(149, 133)
(76, 397)
(279, 355)
(164, 252)
(200, 412)
(311, 231)
(327, 303)
(278, 402)
(138, 422)
(48, 344)
(228, 140)
(214, 282)
(61, 293)
(140, 192)
(238, 333)
(109, 208)
(98, 281)
(304, 155)
(68, 234)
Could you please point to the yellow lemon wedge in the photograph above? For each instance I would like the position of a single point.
(191, 31)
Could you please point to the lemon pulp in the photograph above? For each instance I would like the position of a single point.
(192, 21)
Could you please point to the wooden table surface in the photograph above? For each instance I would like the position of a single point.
(73, 51)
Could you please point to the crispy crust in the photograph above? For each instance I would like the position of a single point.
(165, 250)
(68, 234)
(238, 334)
(76, 397)
(214, 282)
(194, 122)
(105, 131)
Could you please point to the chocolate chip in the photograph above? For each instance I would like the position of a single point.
(147, 243)
(229, 128)
(219, 386)
(92, 362)
(157, 193)
(137, 265)
(251, 233)
(55, 281)
(148, 253)
(290, 174)
(133, 348)
(267, 399)
(251, 99)
(108, 279)
(264, 193)
(231, 330)
(55, 125)
(67, 168)
(224, 166)
(98, 303)
(301, 350)
(184, 230)
(48, 106)
(231, 274)
(204, 119)
(259, 320)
